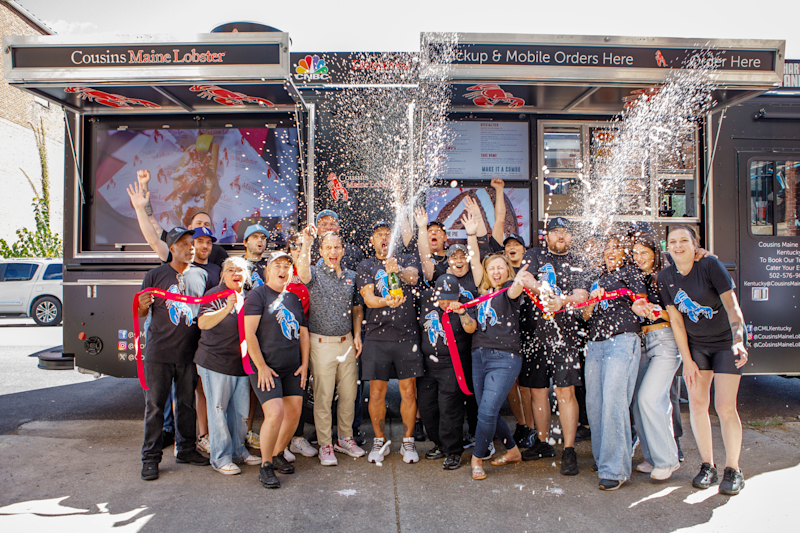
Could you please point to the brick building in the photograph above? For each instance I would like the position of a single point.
(18, 150)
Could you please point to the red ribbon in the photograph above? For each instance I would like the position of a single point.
(610, 295)
(191, 300)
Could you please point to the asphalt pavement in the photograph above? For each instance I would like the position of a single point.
(69, 460)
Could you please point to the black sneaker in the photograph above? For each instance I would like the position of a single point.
(167, 439)
(419, 431)
(569, 462)
(469, 441)
(610, 484)
(149, 471)
(539, 450)
(453, 462)
(193, 457)
(706, 477)
(680, 452)
(268, 478)
(583, 433)
(732, 482)
(358, 436)
(594, 468)
(528, 439)
(283, 466)
(520, 432)
(434, 453)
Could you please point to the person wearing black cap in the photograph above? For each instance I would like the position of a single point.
(441, 401)
(391, 339)
(169, 352)
(553, 354)
(431, 245)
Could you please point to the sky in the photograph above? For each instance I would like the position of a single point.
(370, 25)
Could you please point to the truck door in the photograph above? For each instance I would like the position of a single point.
(770, 258)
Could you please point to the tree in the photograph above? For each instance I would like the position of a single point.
(41, 242)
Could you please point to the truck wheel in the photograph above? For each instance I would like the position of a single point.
(46, 311)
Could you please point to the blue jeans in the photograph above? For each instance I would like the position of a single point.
(493, 375)
(228, 406)
(652, 408)
(611, 369)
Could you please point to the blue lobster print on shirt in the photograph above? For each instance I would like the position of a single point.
(433, 326)
(486, 312)
(604, 303)
(290, 327)
(178, 309)
(382, 282)
(691, 308)
(548, 274)
(464, 292)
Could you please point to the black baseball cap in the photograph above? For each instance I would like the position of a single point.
(176, 233)
(436, 223)
(558, 222)
(380, 224)
(514, 237)
(447, 287)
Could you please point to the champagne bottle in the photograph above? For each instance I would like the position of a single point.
(394, 285)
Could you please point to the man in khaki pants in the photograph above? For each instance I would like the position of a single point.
(334, 326)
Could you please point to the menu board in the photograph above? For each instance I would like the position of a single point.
(486, 150)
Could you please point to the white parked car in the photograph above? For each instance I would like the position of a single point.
(32, 287)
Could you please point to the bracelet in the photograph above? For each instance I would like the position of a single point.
(471, 234)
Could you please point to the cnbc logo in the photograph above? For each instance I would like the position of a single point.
(311, 68)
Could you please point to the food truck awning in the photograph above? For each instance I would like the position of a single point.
(594, 74)
(209, 73)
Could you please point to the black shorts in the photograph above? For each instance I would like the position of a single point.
(286, 384)
(384, 360)
(720, 359)
(543, 362)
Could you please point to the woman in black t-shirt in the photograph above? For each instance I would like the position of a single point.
(496, 358)
(278, 344)
(651, 406)
(219, 363)
(709, 330)
(612, 362)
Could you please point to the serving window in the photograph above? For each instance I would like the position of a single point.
(774, 198)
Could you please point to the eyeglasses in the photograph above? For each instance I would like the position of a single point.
(234, 270)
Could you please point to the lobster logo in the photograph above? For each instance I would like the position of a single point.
(604, 303)
(486, 313)
(226, 97)
(255, 280)
(161, 175)
(434, 329)
(691, 308)
(111, 183)
(660, 61)
(108, 99)
(235, 185)
(179, 309)
(464, 292)
(548, 274)
(337, 189)
(382, 279)
(290, 327)
(225, 157)
(136, 161)
(489, 94)
(157, 136)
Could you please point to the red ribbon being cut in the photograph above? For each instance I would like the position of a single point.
(191, 300)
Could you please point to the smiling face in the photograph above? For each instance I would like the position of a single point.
(458, 263)
(559, 240)
(279, 272)
(436, 238)
(497, 272)
(614, 254)
(644, 257)
(331, 250)
(681, 245)
(514, 250)
(202, 248)
(380, 241)
(234, 276)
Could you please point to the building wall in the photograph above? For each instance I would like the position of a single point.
(18, 111)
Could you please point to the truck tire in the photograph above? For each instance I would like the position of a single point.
(46, 311)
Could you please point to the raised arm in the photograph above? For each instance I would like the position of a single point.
(143, 177)
(471, 224)
(472, 206)
(140, 199)
(499, 210)
(304, 261)
(421, 218)
(736, 319)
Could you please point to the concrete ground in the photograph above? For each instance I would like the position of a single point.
(69, 460)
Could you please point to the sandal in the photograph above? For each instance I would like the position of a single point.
(503, 460)
(478, 473)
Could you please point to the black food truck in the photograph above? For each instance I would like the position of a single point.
(527, 108)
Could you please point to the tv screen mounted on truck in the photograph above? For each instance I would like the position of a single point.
(239, 176)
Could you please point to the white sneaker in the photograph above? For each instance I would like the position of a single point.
(203, 444)
(409, 450)
(644, 468)
(349, 447)
(252, 460)
(229, 469)
(327, 457)
(289, 456)
(491, 450)
(380, 450)
(664, 473)
(303, 447)
(252, 440)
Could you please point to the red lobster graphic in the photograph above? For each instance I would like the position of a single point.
(111, 100)
(660, 59)
(157, 136)
(225, 156)
(161, 174)
(337, 189)
(640, 95)
(235, 185)
(136, 160)
(226, 97)
(489, 94)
